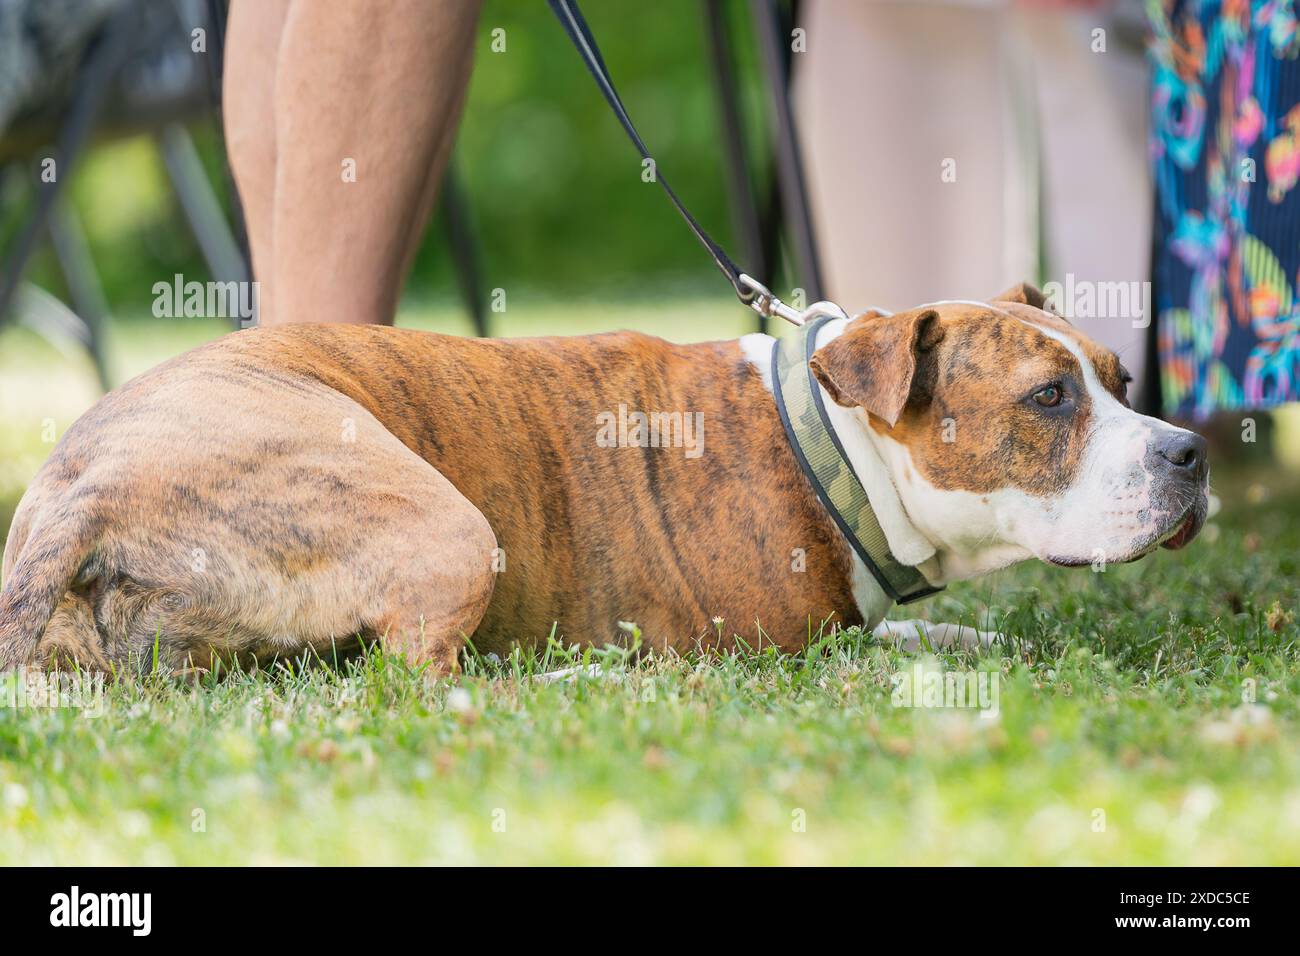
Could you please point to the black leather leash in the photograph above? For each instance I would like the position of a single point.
(749, 290)
(813, 440)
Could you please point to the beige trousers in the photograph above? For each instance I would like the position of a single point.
(955, 149)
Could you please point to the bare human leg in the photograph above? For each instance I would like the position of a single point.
(341, 144)
(248, 105)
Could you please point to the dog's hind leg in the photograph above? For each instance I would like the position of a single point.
(239, 516)
(19, 530)
(439, 580)
(374, 539)
(310, 540)
(44, 551)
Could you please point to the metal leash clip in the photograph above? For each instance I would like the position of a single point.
(763, 301)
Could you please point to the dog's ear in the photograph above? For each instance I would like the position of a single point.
(873, 362)
(1025, 294)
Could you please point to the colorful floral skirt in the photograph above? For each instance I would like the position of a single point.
(1225, 140)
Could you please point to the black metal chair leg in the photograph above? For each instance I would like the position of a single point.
(741, 191)
(118, 40)
(773, 39)
(202, 209)
(464, 250)
(73, 254)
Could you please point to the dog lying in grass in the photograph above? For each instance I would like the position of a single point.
(295, 488)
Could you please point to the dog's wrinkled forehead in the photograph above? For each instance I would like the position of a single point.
(1058, 337)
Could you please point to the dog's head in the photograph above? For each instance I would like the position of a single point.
(1009, 434)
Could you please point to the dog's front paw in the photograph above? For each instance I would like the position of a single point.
(915, 635)
(570, 675)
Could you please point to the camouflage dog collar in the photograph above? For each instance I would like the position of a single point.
(818, 450)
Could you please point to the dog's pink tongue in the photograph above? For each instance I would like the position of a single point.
(1182, 535)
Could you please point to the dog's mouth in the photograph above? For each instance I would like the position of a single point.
(1067, 562)
(1185, 530)
(1178, 535)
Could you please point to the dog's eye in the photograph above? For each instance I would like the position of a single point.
(1049, 396)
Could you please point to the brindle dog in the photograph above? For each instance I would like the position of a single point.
(292, 488)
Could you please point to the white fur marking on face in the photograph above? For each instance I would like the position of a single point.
(962, 525)
(1101, 399)
(982, 305)
(1108, 514)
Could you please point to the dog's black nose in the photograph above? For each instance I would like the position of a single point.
(1185, 450)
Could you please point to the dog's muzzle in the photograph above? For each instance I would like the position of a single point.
(1178, 463)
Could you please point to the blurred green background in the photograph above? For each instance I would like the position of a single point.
(1128, 694)
(554, 186)
(563, 221)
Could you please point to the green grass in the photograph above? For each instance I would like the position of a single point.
(1121, 694)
